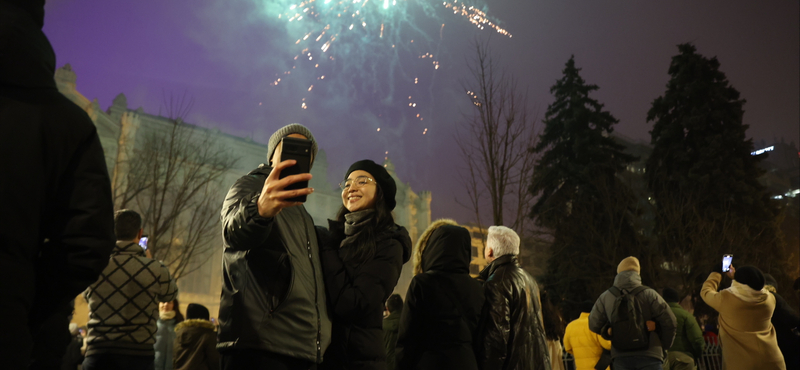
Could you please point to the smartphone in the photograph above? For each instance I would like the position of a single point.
(143, 242)
(300, 151)
(726, 262)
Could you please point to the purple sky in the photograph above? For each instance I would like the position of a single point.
(225, 54)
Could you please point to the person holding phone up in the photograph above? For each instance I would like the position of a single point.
(273, 309)
(362, 259)
(745, 309)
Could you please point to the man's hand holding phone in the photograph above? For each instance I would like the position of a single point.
(273, 196)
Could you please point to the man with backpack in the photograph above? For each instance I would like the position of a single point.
(621, 314)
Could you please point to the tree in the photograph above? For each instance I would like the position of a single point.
(703, 177)
(499, 133)
(581, 201)
(171, 174)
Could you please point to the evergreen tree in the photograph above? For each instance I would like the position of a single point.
(581, 200)
(703, 177)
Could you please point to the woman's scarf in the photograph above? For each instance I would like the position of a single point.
(354, 223)
(746, 293)
(166, 315)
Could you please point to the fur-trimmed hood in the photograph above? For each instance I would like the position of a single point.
(422, 242)
(195, 323)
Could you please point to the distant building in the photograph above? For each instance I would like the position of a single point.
(119, 127)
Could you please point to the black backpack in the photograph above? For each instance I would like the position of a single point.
(628, 324)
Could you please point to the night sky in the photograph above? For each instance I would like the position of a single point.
(228, 55)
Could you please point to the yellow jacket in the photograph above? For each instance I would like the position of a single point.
(583, 344)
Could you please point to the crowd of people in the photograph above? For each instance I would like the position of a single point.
(300, 296)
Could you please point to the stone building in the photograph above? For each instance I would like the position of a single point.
(120, 126)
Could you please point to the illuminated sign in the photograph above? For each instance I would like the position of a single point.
(760, 151)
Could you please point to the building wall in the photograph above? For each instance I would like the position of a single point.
(121, 127)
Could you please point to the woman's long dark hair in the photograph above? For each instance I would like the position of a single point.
(365, 245)
(553, 323)
(176, 306)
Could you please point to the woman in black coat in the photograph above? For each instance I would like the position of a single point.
(361, 261)
(443, 303)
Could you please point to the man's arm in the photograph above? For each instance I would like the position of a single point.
(168, 289)
(598, 318)
(242, 227)
(78, 225)
(709, 291)
(663, 315)
(498, 326)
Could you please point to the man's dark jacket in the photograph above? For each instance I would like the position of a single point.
(273, 297)
(512, 332)
(57, 223)
(357, 292)
(442, 307)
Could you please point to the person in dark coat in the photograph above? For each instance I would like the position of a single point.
(785, 320)
(57, 223)
(512, 335)
(272, 307)
(443, 304)
(195, 343)
(362, 259)
(391, 325)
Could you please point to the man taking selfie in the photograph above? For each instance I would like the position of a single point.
(272, 311)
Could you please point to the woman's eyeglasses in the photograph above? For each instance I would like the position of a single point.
(355, 183)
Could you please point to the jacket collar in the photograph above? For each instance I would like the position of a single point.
(627, 280)
(497, 263)
(195, 323)
(128, 247)
(674, 304)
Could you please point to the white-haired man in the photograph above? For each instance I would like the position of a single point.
(511, 331)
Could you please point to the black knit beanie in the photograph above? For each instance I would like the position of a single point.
(382, 177)
(670, 295)
(196, 311)
(750, 276)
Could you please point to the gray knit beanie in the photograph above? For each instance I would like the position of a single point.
(294, 128)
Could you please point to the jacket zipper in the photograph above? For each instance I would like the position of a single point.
(316, 289)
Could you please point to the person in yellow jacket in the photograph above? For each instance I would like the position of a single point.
(584, 345)
(746, 334)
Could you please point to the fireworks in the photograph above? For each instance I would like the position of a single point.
(363, 49)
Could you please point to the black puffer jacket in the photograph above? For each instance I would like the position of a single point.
(356, 296)
(57, 221)
(273, 297)
(442, 307)
(512, 333)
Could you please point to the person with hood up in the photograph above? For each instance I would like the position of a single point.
(361, 261)
(57, 224)
(443, 303)
(785, 320)
(746, 334)
(196, 341)
(511, 334)
(654, 308)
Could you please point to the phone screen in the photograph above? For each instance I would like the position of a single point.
(726, 262)
(143, 242)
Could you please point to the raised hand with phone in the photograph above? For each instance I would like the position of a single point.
(287, 183)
